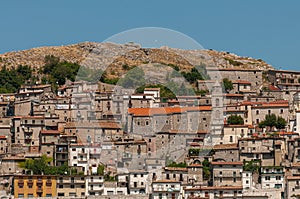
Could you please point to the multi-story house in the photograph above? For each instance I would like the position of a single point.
(215, 192)
(112, 188)
(164, 189)
(272, 178)
(71, 186)
(48, 140)
(226, 152)
(292, 186)
(138, 182)
(94, 185)
(232, 133)
(85, 157)
(226, 173)
(285, 80)
(29, 186)
(269, 150)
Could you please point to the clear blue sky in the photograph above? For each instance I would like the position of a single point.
(267, 29)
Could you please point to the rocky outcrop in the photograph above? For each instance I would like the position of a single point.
(116, 59)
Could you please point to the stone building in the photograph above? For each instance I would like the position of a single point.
(269, 150)
(285, 80)
(254, 76)
(226, 173)
(226, 152)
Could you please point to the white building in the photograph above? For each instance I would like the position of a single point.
(94, 185)
(247, 180)
(86, 157)
(138, 182)
(272, 178)
(112, 188)
(165, 189)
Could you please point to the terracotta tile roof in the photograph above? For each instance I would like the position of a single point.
(288, 133)
(273, 88)
(3, 137)
(279, 103)
(107, 125)
(227, 163)
(194, 165)
(50, 132)
(165, 111)
(225, 146)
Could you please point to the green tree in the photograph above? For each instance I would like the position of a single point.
(58, 71)
(39, 166)
(253, 166)
(270, 121)
(206, 169)
(100, 170)
(280, 123)
(235, 120)
(273, 121)
(192, 76)
(228, 86)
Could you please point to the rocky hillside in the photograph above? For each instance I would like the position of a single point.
(117, 59)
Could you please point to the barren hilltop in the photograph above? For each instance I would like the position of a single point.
(117, 58)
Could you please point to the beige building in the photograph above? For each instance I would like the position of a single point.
(226, 173)
(71, 186)
(270, 150)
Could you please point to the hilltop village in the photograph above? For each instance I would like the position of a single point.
(96, 140)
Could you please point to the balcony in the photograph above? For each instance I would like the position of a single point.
(39, 190)
(21, 182)
(39, 182)
(49, 183)
(30, 183)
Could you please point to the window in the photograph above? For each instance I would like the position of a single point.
(267, 178)
(278, 177)
(217, 102)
